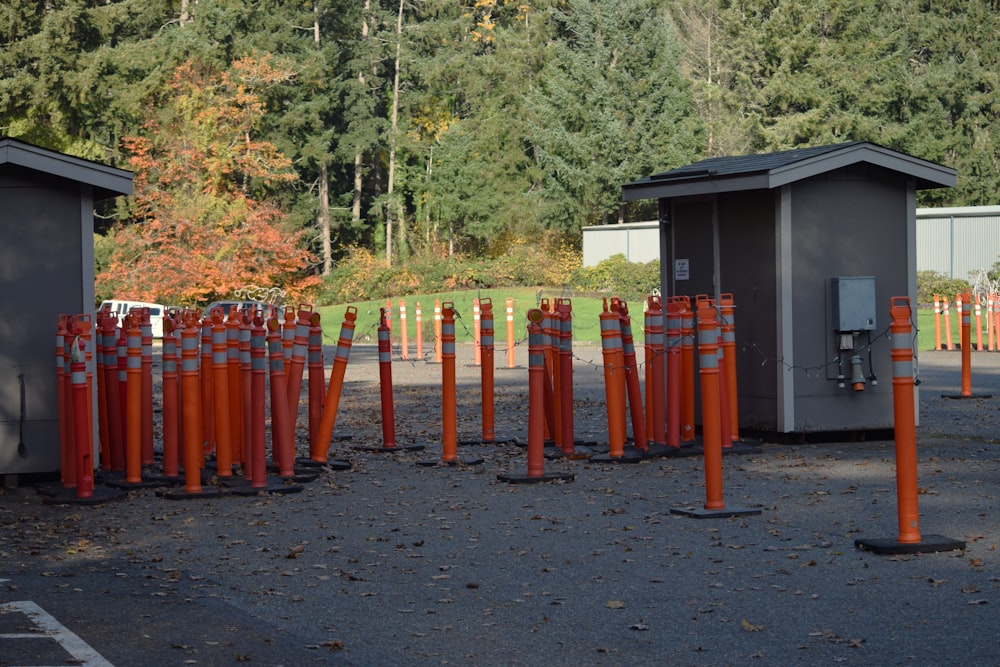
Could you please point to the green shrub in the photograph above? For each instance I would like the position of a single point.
(930, 283)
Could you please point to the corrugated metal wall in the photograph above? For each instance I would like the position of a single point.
(638, 241)
(958, 242)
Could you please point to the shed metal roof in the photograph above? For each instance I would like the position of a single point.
(107, 181)
(772, 170)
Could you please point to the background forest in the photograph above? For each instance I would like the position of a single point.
(274, 140)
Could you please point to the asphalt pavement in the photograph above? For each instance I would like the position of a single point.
(396, 563)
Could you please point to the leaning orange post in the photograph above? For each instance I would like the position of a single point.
(332, 400)
(632, 389)
(449, 399)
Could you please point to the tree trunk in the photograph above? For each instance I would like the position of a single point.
(358, 155)
(323, 219)
(393, 207)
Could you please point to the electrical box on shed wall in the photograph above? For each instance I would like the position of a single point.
(853, 303)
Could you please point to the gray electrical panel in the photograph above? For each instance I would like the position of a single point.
(853, 303)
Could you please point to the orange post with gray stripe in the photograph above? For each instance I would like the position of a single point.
(711, 417)
(449, 400)
(614, 380)
(486, 373)
(385, 383)
(331, 401)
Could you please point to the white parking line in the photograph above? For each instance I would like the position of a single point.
(49, 627)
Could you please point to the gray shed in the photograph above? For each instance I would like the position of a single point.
(46, 268)
(812, 243)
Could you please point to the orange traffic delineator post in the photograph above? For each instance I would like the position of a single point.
(146, 338)
(477, 332)
(317, 384)
(385, 384)
(673, 370)
(966, 352)
(282, 446)
(64, 393)
(909, 539)
(655, 373)
(640, 440)
(449, 394)
(256, 480)
(937, 322)
(564, 309)
(979, 324)
(171, 404)
(404, 343)
(687, 369)
(536, 409)
(486, 373)
(947, 324)
(727, 323)
(191, 407)
(418, 323)
(331, 402)
(437, 331)
(288, 335)
(207, 388)
(104, 447)
(297, 364)
(221, 398)
(510, 332)
(990, 341)
(116, 458)
(234, 378)
(614, 389)
(80, 489)
(133, 404)
(711, 422)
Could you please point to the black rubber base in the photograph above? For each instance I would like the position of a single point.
(630, 454)
(927, 544)
(963, 396)
(702, 513)
(100, 494)
(537, 479)
(119, 480)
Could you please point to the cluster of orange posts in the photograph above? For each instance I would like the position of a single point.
(969, 307)
(214, 370)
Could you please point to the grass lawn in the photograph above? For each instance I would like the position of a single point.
(586, 309)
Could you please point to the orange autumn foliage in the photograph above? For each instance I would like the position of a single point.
(202, 225)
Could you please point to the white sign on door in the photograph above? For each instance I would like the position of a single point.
(681, 269)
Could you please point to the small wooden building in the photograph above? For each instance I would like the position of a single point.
(812, 243)
(46, 268)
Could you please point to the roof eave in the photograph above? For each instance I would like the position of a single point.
(927, 174)
(107, 181)
(651, 189)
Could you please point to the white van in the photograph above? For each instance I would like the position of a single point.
(156, 310)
